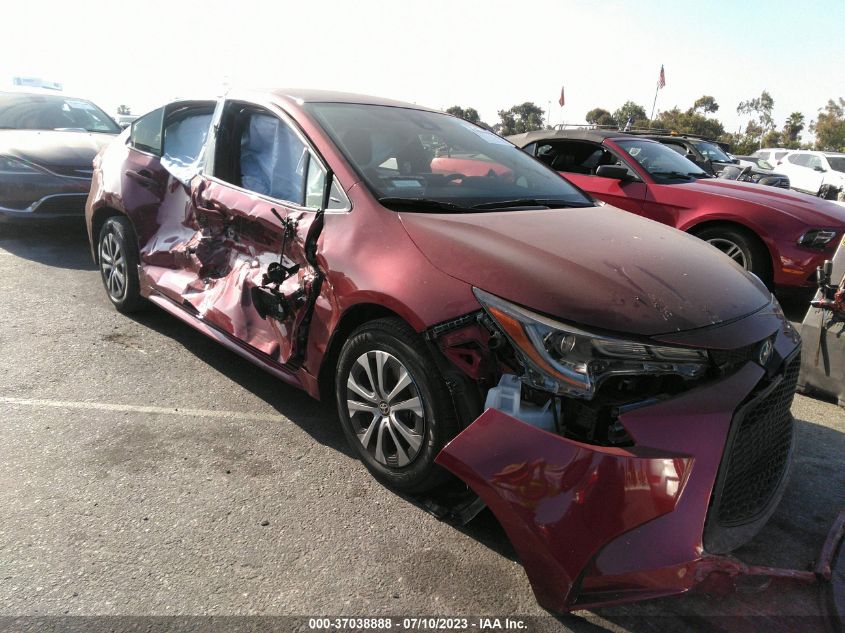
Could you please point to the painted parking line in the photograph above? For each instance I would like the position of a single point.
(131, 408)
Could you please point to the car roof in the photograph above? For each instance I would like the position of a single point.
(301, 95)
(594, 135)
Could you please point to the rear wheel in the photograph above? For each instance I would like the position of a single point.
(741, 247)
(394, 406)
(118, 255)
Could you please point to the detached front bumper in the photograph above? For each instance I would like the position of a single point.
(598, 525)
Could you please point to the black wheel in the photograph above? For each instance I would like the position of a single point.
(117, 252)
(742, 247)
(394, 405)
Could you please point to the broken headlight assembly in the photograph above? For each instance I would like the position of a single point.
(565, 360)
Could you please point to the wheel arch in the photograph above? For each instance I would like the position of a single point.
(750, 232)
(98, 219)
(354, 316)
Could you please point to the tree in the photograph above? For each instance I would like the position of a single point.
(520, 118)
(761, 106)
(706, 104)
(468, 114)
(123, 109)
(689, 122)
(829, 126)
(600, 116)
(792, 130)
(633, 112)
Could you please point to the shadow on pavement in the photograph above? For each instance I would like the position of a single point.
(61, 244)
(318, 419)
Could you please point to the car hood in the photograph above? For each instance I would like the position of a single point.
(803, 207)
(56, 150)
(600, 267)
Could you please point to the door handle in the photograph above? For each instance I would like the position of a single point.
(143, 178)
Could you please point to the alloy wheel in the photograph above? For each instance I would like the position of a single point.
(384, 406)
(113, 266)
(731, 249)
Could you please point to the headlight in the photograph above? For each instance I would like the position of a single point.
(13, 167)
(816, 238)
(563, 359)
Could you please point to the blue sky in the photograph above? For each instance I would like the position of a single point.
(489, 55)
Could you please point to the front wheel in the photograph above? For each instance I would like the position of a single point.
(117, 252)
(744, 249)
(394, 405)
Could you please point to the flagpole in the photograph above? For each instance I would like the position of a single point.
(653, 105)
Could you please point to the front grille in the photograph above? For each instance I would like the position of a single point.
(62, 204)
(727, 358)
(754, 464)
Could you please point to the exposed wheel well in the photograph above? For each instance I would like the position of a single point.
(355, 316)
(751, 235)
(97, 221)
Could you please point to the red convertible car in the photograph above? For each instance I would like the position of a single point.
(616, 392)
(781, 236)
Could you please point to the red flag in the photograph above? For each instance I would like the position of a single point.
(561, 101)
(661, 80)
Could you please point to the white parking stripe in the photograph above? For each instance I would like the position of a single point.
(131, 408)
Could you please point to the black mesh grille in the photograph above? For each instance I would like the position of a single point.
(730, 357)
(758, 452)
(69, 204)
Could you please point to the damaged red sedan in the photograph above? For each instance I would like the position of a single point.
(615, 391)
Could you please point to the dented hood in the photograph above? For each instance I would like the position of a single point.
(599, 266)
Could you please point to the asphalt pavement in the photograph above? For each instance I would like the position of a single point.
(147, 471)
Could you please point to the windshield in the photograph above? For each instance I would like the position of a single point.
(52, 112)
(837, 163)
(712, 151)
(662, 164)
(432, 161)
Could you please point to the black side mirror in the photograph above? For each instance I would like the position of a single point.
(617, 172)
(819, 168)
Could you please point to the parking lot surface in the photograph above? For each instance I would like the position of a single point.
(145, 470)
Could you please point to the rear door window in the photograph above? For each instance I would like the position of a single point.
(146, 132)
(186, 127)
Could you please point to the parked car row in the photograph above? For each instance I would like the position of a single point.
(817, 173)
(504, 321)
(778, 235)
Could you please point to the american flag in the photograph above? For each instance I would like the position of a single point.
(661, 79)
(561, 101)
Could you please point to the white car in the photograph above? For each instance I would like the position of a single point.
(809, 171)
(772, 155)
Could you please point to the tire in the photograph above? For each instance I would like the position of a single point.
(117, 243)
(397, 445)
(744, 248)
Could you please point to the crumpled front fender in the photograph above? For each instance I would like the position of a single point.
(598, 525)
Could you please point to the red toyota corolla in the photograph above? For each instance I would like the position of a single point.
(617, 392)
(779, 235)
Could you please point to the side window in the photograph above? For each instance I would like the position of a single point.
(315, 184)
(145, 134)
(577, 157)
(798, 159)
(258, 151)
(185, 131)
(678, 148)
(779, 155)
(814, 162)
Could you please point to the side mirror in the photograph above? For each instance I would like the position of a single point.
(616, 172)
(819, 168)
